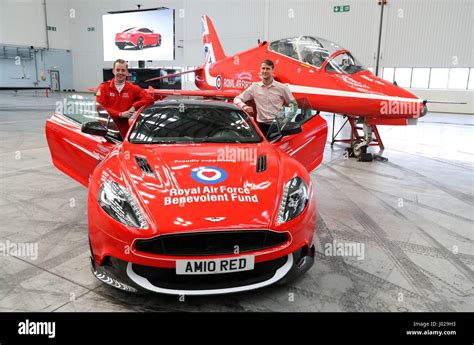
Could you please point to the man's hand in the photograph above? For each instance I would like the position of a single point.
(293, 105)
(285, 121)
(248, 109)
(125, 114)
(128, 113)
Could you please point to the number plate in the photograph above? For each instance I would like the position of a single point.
(229, 265)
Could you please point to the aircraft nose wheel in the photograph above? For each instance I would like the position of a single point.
(359, 151)
(357, 148)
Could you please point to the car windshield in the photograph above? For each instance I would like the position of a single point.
(193, 124)
(129, 29)
(315, 51)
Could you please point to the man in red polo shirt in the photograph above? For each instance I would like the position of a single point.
(121, 98)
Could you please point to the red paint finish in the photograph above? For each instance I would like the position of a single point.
(73, 152)
(92, 160)
(359, 94)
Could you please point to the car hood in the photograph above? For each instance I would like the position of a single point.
(205, 186)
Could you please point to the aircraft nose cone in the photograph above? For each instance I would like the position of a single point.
(398, 101)
(424, 111)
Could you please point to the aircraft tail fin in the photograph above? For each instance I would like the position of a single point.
(212, 46)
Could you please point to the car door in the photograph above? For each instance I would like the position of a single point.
(306, 147)
(75, 153)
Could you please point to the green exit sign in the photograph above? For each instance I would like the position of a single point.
(51, 28)
(91, 28)
(344, 8)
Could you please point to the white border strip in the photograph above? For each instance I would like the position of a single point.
(145, 283)
(302, 146)
(210, 80)
(92, 154)
(340, 93)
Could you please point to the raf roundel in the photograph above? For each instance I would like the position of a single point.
(219, 82)
(209, 175)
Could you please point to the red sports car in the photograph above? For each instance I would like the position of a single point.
(195, 200)
(138, 38)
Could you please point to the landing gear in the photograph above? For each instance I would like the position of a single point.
(358, 150)
(360, 142)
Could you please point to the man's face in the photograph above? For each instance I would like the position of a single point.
(120, 72)
(266, 71)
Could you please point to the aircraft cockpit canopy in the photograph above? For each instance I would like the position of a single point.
(316, 51)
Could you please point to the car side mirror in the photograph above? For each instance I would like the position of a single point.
(291, 128)
(94, 128)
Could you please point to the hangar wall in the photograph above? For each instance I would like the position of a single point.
(31, 70)
(423, 33)
(22, 23)
(435, 34)
(317, 18)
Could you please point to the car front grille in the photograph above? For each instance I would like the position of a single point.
(168, 279)
(212, 243)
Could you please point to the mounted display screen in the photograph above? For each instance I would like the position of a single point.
(139, 35)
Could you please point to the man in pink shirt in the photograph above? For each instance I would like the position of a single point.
(269, 96)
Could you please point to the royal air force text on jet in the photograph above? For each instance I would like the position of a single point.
(236, 83)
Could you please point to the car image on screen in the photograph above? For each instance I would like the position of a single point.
(138, 38)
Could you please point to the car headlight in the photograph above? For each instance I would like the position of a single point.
(294, 200)
(120, 205)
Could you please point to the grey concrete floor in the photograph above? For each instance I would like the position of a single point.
(413, 216)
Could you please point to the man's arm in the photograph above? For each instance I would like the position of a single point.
(245, 96)
(142, 97)
(293, 104)
(291, 101)
(288, 96)
(100, 98)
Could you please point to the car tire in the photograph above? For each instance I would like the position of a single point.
(140, 43)
(158, 43)
(120, 46)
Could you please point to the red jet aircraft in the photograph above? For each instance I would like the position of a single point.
(321, 75)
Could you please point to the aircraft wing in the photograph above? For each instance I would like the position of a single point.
(174, 74)
(162, 93)
(159, 94)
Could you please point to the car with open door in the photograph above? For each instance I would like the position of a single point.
(195, 200)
